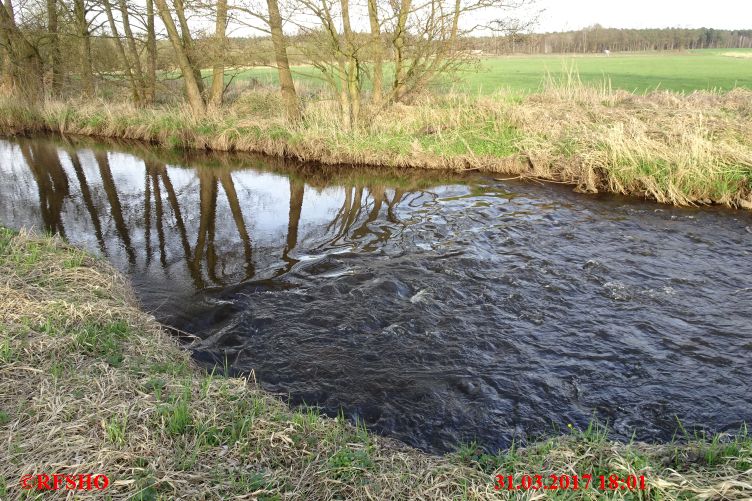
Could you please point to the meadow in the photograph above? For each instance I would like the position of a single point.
(633, 72)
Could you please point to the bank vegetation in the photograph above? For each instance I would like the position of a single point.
(677, 149)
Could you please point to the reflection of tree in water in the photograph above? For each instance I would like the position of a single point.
(88, 200)
(157, 178)
(353, 207)
(162, 214)
(52, 183)
(297, 191)
(108, 183)
(209, 181)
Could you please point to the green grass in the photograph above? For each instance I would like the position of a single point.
(634, 72)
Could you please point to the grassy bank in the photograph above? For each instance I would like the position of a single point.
(89, 384)
(680, 149)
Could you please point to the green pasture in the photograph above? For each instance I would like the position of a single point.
(637, 72)
(681, 72)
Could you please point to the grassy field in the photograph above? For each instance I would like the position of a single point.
(634, 72)
(680, 72)
(90, 384)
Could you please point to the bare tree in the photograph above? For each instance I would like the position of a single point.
(271, 21)
(220, 41)
(24, 64)
(56, 70)
(84, 37)
(338, 55)
(378, 52)
(192, 84)
(151, 54)
(287, 86)
(121, 51)
(135, 59)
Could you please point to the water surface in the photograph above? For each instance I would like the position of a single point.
(438, 309)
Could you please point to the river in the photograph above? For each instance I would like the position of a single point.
(436, 308)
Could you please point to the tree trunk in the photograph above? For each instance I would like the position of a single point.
(192, 89)
(151, 54)
(286, 83)
(352, 71)
(220, 41)
(6, 80)
(6, 55)
(82, 25)
(188, 43)
(136, 60)
(52, 29)
(399, 44)
(121, 51)
(24, 64)
(378, 53)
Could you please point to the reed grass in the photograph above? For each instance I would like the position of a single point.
(672, 148)
(90, 384)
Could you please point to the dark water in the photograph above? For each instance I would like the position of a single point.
(437, 309)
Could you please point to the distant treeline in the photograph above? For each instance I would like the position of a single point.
(598, 39)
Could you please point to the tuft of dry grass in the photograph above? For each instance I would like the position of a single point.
(740, 55)
(90, 384)
(677, 149)
(672, 148)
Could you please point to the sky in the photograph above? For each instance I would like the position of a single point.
(561, 15)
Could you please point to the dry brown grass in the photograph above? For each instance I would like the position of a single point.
(671, 148)
(89, 384)
(740, 55)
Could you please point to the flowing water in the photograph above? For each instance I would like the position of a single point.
(436, 308)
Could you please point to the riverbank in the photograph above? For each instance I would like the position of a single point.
(672, 148)
(90, 384)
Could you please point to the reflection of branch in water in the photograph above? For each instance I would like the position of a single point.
(52, 183)
(396, 199)
(154, 173)
(112, 196)
(378, 195)
(147, 214)
(353, 206)
(353, 213)
(225, 177)
(159, 216)
(88, 200)
(206, 228)
(297, 191)
(348, 213)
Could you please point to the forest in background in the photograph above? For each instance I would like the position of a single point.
(596, 39)
(369, 53)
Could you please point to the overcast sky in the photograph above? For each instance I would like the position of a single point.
(574, 14)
